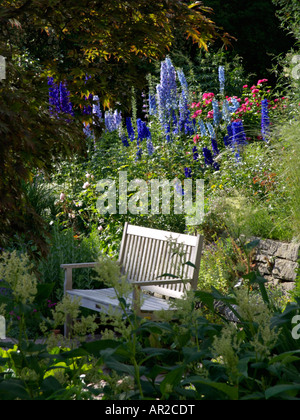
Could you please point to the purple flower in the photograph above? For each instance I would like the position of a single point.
(150, 147)
(124, 140)
(130, 129)
(54, 101)
(265, 120)
(138, 154)
(65, 104)
(238, 133)
(143, 130)
(208, 159)
(59, 98)
(152, 104)
(221, 72)
(188, 172)
(215, 146)
(195, 153)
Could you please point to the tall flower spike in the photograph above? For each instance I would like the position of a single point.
(217, 116)
(208, 159)
(130, 129)
(150, 147)
(96, 109)
(54, 102)
(65, 104)
(265, 120)
(221, 72)
(202, 128)
(211, 130)
(166, 95)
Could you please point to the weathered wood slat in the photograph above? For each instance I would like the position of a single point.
(107, 298)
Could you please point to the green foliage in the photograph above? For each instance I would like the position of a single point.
(65, 246)
(192, 358)
(288, 158)
(289, 15)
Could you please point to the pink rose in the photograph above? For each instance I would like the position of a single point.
(196, 138)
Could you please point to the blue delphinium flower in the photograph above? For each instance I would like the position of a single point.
(185, 122)
(130, 129)
(87, 110)
(124, 140)
(234, 105)
(167, 96)
(226, 112)
(96, 109)
(238, 138)
(227, 141)
(59, 100)
(113, 120)
(175, 123)
(221, 72)
(152, 104)
(109, 121)
(208, 158)
(228, 137)
(265, 120)
(195, 153)
(217, 116)
(202, 128)
(214, 146)
(65, 104)
(182, 79)
(211, 130)
(88, 131)
(167, 89)
(150, 147)
(138, 154)
(54, 101)
(238, 133)
(187, 172)
(143, 130)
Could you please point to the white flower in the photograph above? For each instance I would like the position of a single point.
(86, 185)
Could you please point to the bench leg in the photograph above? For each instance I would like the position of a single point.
(67, 327)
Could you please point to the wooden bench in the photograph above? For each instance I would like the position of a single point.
(145, 254)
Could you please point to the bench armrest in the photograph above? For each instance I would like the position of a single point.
(79, 265)
(68, 272)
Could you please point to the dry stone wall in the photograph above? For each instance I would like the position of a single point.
(278, 262)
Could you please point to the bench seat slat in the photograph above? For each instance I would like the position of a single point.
(107, 297)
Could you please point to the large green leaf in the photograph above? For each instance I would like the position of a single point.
(283, 390)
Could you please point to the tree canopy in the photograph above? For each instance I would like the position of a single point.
(104, 39)
(93, 45)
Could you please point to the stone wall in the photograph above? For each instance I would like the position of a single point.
(277, 262)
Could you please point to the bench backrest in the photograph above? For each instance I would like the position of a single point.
(147, 253)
